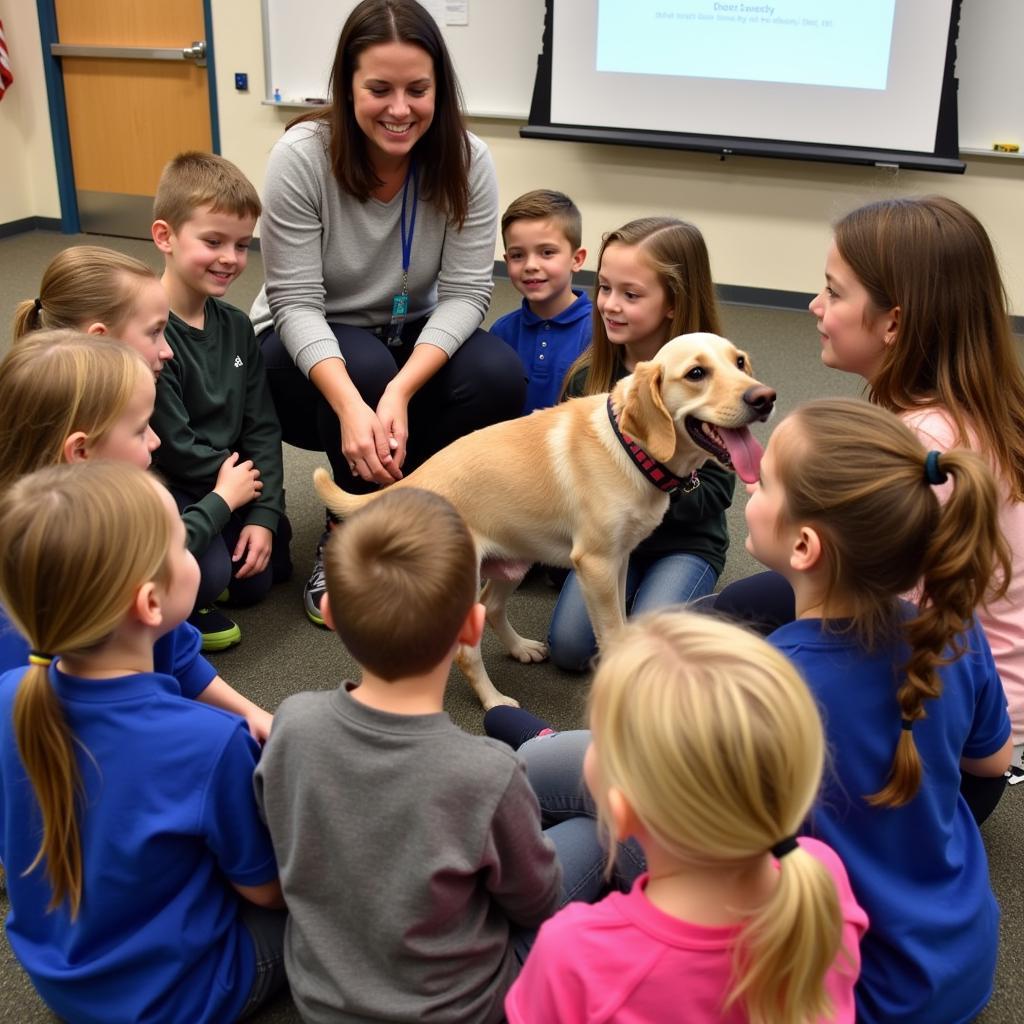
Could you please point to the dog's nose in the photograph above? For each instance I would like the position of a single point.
(761, 399)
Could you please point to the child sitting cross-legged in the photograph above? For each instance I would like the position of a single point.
(707, 749)
(409, 849)
(212, 398)
(142, 882)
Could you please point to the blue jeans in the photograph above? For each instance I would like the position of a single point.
(266, 929)
(554, 766)
(650, 583)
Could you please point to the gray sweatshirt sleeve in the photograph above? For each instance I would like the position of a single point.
(525, 877)
(290, 240)
(466, 276)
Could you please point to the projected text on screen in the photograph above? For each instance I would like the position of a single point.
(842, 43)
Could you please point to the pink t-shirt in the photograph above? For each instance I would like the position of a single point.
(1003, 620)
(625, 960)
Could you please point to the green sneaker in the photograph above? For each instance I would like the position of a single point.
(217, 630)
(316, 585)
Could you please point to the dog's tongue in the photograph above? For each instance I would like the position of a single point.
(745, 452)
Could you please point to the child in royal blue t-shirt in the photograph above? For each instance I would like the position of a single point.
(846, 510)
(141, 879)
(542, 233)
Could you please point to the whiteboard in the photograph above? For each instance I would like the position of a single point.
(991, 73)
(495, 53)
(495, 57)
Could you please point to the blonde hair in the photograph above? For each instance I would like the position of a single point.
(843, 463)
(716, 743)
(54, 383)
(193, 180)
(953, 344)
(101, 530)
(83, 284)
(675, 250)
(402, 575)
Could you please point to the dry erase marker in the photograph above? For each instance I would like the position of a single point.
(320, 101)
(1006, 147)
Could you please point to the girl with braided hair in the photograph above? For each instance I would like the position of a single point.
(846, 510)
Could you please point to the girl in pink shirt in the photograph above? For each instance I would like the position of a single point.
(707, 749)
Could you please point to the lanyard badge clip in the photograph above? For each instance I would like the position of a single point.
(400, 302)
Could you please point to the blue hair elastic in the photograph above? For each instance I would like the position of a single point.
(932, 473)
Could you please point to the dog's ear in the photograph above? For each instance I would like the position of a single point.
(644, 415)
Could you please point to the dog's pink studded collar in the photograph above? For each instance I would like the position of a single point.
(657, 472)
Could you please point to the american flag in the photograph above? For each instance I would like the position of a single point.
(6, 75)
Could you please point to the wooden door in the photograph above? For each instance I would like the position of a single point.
(128, 116)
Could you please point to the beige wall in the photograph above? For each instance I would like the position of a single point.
(28, 176)
(766, 221)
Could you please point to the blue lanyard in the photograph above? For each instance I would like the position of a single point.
(407, 235)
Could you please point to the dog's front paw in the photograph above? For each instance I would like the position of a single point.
(528, 651)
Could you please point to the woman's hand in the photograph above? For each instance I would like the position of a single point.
(393, 413)
(366, 443)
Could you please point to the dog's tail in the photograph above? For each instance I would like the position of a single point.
(340, 502)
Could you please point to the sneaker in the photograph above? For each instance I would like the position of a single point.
(316, 585)
(217, 630)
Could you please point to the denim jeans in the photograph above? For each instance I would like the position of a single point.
(650, 583)
(554, 766)
(266, 929)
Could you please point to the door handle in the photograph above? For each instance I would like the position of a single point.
(196, 52)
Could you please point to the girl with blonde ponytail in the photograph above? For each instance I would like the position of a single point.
(72, 397)
(137, 830)
(846, 511)
(100, 291)
(707, 749)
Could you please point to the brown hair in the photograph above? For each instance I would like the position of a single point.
(54, 383)
(545, 204)
(443, 153)
(676, 252)
(101, 530)
(83, 284)
(402, 575)
(193, 180)
(717, 745)
(953, 345)
(843, 463)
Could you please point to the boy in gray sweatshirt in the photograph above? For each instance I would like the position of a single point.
(408, 849)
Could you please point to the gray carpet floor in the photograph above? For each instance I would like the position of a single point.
(282, 653)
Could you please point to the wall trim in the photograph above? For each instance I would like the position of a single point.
(26, 224)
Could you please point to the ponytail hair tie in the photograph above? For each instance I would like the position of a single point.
(932, 473)
(906, 724)
(40, 658)
(39, 305)
(784, 846)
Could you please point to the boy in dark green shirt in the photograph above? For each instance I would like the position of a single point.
(212, 399)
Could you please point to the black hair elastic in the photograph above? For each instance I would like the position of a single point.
(784, 846)
(39, 305)
(932, 473)
(906, 724)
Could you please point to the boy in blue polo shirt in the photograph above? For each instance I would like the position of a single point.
(542, 232)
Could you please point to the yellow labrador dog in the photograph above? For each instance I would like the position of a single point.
(581, 484)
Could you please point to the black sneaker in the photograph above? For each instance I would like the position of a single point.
(316, 585)
(218, 631)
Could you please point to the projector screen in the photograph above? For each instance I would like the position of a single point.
(867, 81)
